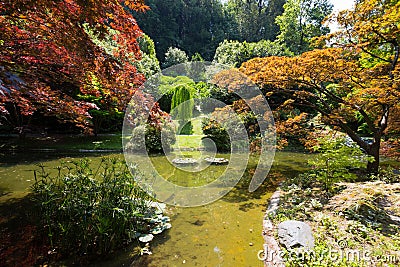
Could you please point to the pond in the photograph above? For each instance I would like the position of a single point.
(226, 232)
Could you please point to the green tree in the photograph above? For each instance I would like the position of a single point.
(166, 87)
(200, 25)
(149, 64)
(182, 108)
(234, 53)
(247, 15)
(161, 24)
(193, 25)
(336, 157)
(274, 9)
(174, 56)
(301, 21)
(255, 19)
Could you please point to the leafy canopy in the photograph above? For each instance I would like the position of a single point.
(48, 57)
(356, 81)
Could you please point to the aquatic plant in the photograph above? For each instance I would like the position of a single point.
(87, 211)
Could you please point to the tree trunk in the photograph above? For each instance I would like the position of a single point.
(97, 121)
(373, 167)
(370, 149)
(21, 134)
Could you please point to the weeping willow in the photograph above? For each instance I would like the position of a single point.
(182, 108)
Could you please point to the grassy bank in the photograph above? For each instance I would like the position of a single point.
(63, 142)
(83, 142)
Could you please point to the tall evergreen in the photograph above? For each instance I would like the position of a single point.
(182, 108)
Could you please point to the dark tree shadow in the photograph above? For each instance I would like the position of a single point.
(22, 244)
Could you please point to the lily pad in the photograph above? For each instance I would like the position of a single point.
(160, 207)
(165, 219)
(160, 228)
(167, 225)
(146, 238)
(157, 230)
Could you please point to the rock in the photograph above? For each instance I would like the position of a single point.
(273, 203)
(217, 161)
(271, 246)
(184, 161)
(396, 171)
(295, 234)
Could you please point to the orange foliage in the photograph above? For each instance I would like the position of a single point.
(331, 81)
(355, 80)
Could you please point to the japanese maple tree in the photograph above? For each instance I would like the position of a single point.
(357, 79)
(49, 62)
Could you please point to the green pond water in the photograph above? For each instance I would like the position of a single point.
(226, 232)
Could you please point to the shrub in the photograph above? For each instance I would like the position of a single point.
(174, 56)
(89, 211)
(218, 134)
(202, 98)
(387, 175)
(148, 64)
(153, 141)
(234, 53)
(223, 94)
(334, 161)
(222, 122)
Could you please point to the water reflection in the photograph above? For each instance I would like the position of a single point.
(224, 233)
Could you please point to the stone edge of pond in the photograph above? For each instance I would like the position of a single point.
(271, 247)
